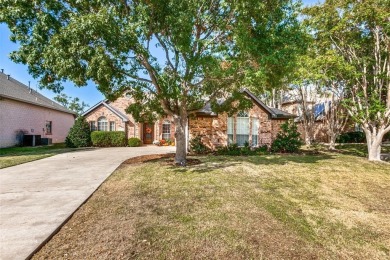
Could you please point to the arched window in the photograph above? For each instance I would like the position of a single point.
(166, 130)
(102, 124)
(239, 127)
(242, 128)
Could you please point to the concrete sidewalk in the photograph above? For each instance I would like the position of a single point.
(37, 197)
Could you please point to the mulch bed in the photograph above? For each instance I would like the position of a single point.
(165, 159)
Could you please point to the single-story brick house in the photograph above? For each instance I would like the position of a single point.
(24, 111)
(258, 126)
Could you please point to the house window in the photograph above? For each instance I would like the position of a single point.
(102, 124)
(93, 125)
(48, 127)
(166, 130)
(112, 126)
(242, 128)
(230, 129)
(255, 131)
(358, 128)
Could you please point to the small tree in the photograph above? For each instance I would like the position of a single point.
(79, 135)
(336, 118)
(288, 139)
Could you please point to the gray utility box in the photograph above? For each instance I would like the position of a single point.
(46, 141)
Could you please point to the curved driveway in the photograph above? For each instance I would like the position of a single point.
(36, 198)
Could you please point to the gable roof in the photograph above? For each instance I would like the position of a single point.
(112, 109)
(12, 89)
(273, 112)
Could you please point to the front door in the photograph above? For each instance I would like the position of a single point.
(148, 133)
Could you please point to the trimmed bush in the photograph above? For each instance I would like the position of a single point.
(108, 139)
(288, 139)
(351, 137)
(134, 142)
(235, 150)
(79, 135)
(197, 146)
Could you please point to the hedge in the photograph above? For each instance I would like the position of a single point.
(108, 139)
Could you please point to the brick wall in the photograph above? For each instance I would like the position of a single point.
(16, 116)
(213, 130)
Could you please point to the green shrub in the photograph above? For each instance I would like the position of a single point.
(79, 135)
(108, 139)
(288, 139)
(134, 142)
(351, 137)
(197, 146)
(235, 150)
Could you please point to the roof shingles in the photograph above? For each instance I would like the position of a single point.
(13, 89)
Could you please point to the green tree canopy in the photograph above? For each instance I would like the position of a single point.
(358, 32)
(209, 48)
(74, 104)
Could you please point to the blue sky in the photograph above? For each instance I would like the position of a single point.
(88, 94)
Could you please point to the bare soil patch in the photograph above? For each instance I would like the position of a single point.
(147, 158)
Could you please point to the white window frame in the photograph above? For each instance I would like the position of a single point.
(255, 131)
(102, 124)
(242, 128)
(166, 131)
(230, 130)
(112, 126)
(93, 125)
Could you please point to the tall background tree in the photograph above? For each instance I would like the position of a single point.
(172, 56)
(358, 31)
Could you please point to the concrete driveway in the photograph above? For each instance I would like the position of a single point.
(36, 198)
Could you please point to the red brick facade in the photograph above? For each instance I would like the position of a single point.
(212, 129)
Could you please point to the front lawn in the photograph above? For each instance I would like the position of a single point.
(18, 155)
(360, 149)
(327, 206)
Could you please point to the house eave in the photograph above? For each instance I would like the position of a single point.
(39, 105)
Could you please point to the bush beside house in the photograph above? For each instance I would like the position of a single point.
(197, 146)
(134, 142)
(246, 150)
(288, 139)
(108, 139)
(79, 135)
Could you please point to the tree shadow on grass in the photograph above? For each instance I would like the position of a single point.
(221, 162)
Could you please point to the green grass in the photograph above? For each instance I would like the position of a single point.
(326, 206)
(18, 155)
(359, 149)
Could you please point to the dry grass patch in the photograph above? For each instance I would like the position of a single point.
(290, 207)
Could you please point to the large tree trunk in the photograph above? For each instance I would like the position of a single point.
(332, 141)
(374, 144)
(181, 141)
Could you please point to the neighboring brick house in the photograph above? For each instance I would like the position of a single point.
(24, 111)
(320, 127)
(111, 116)
(258, 126)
